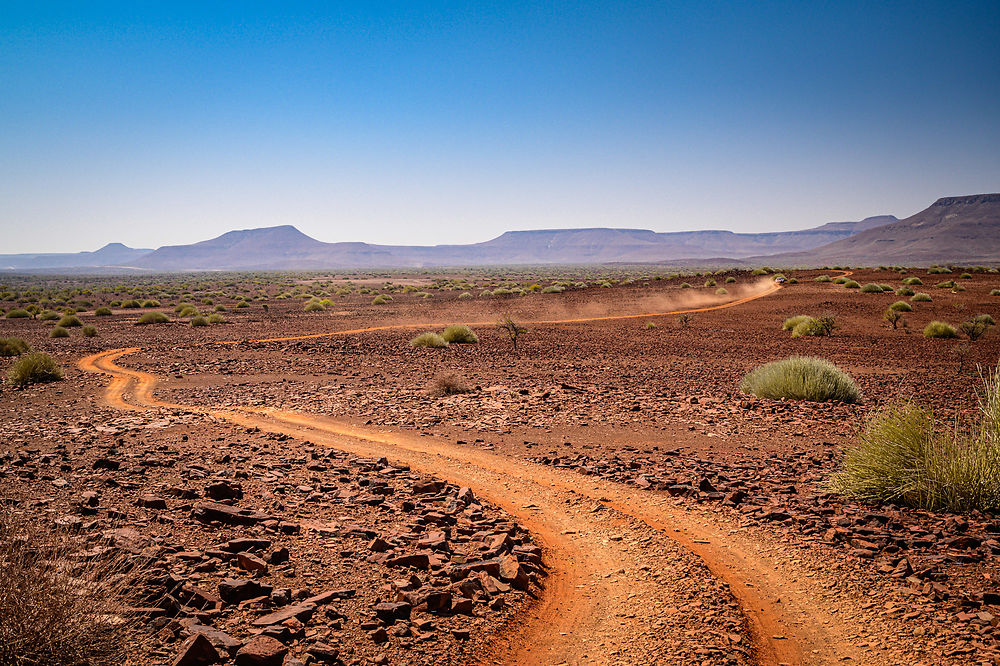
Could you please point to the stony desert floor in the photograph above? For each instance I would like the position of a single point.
(602, 494)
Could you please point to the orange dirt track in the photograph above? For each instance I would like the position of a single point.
(577, 617)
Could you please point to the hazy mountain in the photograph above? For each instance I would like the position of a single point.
(112, 254)
(287, 248)
(960, 230)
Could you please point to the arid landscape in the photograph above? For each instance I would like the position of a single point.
(298, 483)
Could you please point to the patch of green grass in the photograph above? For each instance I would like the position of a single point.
(33, 368)
(904, 291)
(69, 321)
(871, 288)
(905, 456)
(216, 318)
(150, 303)
(792, 322)
(730, 280)
(199, 321)
(901, 306)
(48, 315)
(18, 313)
(459, 334)
(940, 329)
(314, 306)
(13, 347)
(58, 332)
(810, 327)
(801, 378)
(921, 297)
(152, 318)
(102, 312)
(913, 281)
(685, 285)
(852, 284)
(429, 339)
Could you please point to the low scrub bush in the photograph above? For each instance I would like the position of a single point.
(48, 315)
(995, 292)
(822, 278)
(913, 281)
(904, 291)
(901, 306)
(152, 318)
(18, 313)
(730, 280)
(940, 329)
(58, 332)
(801, 378)
(947, 284)
(151, 303)
(216, 318)
(89, 332)
(721, 291)
(380, 300)
(13, 347)
(792, 322)
(921, 297)
(459, 334)
(102, 312)
(429, 339)
(464, 296)
(852, 284)
(448, 383)
(69, 321)
(131, 304)
(905, 456)
(975, 327)
(33, 368)
(871, 288)
(840, 280)
(199, 321)
(685, 285)
(810, 327)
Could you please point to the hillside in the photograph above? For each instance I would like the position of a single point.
(112, 254)
(959, 230)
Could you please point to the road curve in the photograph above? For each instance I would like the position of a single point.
(576, 618)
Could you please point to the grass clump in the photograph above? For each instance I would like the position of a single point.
(947, 284)
(792, 322)
(58, 332)
(913, 281)
(811, 327)
(314, 306)
(102, 312)
(199, 321)
(33, 368)
(216, 318)
(801, 378)
(380, 300)
(48, 315)
(921, 297)
(822, 278)
(904, 291)
(69, 321)
(448, 383)
(940, 329)
(429, 339)
(17, 313)
(851, 284)
(901, 306)
(994, 292)
(459, 334)
(904, 456)
(13, 347)
(871, 288)
(152, 318)
(89, 332)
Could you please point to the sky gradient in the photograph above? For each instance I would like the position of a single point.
(451, 122)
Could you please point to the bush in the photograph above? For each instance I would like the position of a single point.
(464, 296)
(314, 306)
(871, 288)
(975, 328)
(940, 329)
(18, 313)
(721, 291)
(685, 285)
(553, 290)
(459, 334)
(904, 456)
(904, 291)
(13, 347)
(102, 312)
(851, 284)
(921, 297)
(199, 321)
(947, 284)
(822, 278)
(709, 283)
(69, 321)
(242, 304)
(55, 609)
(89, 332)
(216, 318)
(730, 280)
(448, 383)
(380, 300)
(901, 306)
(33, 368)
(152, 318)
(809, 327)
(801, 378)
(132, 304)
(429, 339)
(48, 315)
(913, 281)
(150, 304)
(792, 322)
(58, 332)
(840, 280)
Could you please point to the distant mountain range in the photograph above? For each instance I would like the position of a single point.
(955, 229)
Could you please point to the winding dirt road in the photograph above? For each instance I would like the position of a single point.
(598, 536)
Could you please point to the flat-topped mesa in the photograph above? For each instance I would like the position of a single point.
(970, 199)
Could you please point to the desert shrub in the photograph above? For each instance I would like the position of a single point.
(947, 284)
(152, 318)
(55, 609)
(822, 278)
(216, 318)
(553, 290)
(710, 283)
(69, 321)
(965, 276)
(801, 378)
(975, 327)
(840, 280)
(871, 288)
(188, 311)
(102, 312)
(685, 285)
(459, 334)
(429, 339)
(901, 306)
(921, 297)
(464, 296)
(730, 280)
(222, 308)
(994, 292)
(131, 304)
(957, 288)
(380, 300)
(792, 322)
(940, 329)
(89, 332)
(314, 306)
(721, 291)
(242, 304)
(852, 284)
(18, 313)
(13, 347)
(448, 383)
(904, 291)
(199, 321)
(650, 325)
(150, 303)
(905, 456)
(58, 332)
(913, 281)
(758, 271)
(33, 368)
(48, 315)
(809, 327)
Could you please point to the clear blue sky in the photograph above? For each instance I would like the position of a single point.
(422, 123)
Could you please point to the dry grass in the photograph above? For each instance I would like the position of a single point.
(801, 378)
(57, 608)
(448, 383)
(34, 368)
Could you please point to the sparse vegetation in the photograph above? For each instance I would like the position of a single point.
(13, 347)
(89, 332)
(459, 334)
(940, 329)
(905, 456)
(975, 327)
(792, 322)
(901, 306)
(199, 321)
(69, 321)
(921, 297)
(216, 318)
(429, 339)
(448, 383)
(801, 378)
(58, 332)
(822, 278)
(314, 306)
(32, 368)
(894, 317)
(871, 288)
(102, 312)
(18, 313)
(512, 329)
(152, 318)
(851, 284)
